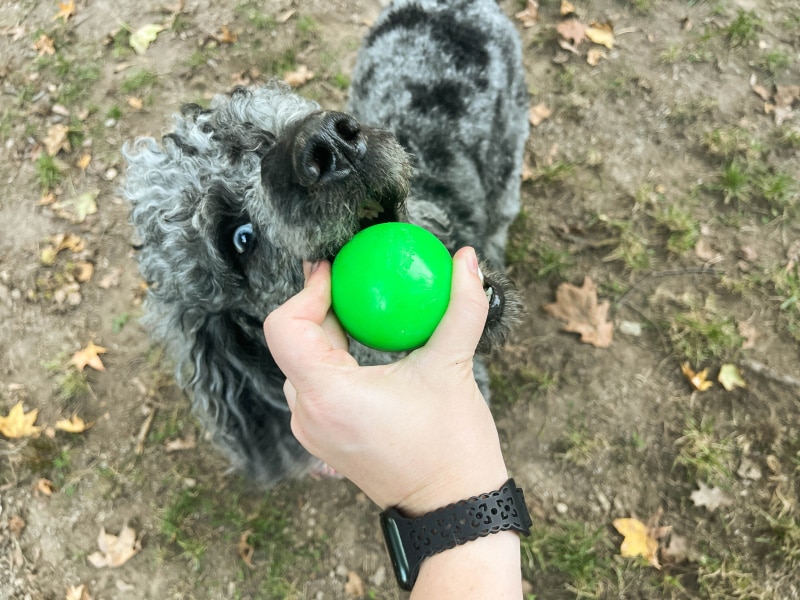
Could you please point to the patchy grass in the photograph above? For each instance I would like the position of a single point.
(571, 554)
(706, 455)
(138, 81)
(698, 336)
(744, 28)
(48, 172)
(195, 518)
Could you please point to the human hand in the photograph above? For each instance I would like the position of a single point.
(416, 434)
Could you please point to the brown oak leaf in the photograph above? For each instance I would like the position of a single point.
(572, 31)
(578, 306)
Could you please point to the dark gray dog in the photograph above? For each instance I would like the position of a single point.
(232, 201)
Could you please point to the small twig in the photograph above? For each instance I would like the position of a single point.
(144, 430)
(765, 371)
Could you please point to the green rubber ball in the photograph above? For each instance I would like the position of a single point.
(390, 286)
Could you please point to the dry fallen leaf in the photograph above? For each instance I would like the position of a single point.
(226, 36)
(530, 15)
(78, 592)
(698, 380)
(354, 587)
(83, 272)
(78, 208)
(135, 103)
(711, 498)
(637, 540)
(678, 550)
(141, 39)
(730, 377)
(44, 45)
(83, 162)
(245, 549)
(579, 308)
(187, 443)
(73, 425)
(567, 8)
(56, 140)
(66, 10)
(594, 56)
(18, 423)
(44, 486)
(538, 114)
(16, 524)
(601, 33)
(115, 550)
(89, 356)
(572, 30)
(299, 77)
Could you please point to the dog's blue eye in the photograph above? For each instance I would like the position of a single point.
(242, 237)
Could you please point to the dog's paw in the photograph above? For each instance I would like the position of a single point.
(505, 309)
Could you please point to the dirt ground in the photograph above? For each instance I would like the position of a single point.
(667, 172)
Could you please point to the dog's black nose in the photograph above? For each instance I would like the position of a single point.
(327, 146)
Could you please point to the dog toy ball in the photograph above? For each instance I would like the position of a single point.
(390, 286)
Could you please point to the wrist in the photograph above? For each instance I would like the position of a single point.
(452, 488)
(412, 540)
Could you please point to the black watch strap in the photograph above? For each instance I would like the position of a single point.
(412, 540)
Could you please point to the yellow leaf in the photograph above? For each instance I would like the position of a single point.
(730, 377)
(66, 10)
(601, 33)
(141, 39)
(18, 423)
(83, 162)
(89, 356)
(637, 540)
(135, 103)
(73, 425)
(698, 380)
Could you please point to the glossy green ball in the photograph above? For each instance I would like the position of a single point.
(390, 286)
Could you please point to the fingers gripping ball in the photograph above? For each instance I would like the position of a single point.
(390, 286)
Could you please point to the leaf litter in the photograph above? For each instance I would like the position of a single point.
(579, 308)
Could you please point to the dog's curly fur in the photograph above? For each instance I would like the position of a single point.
(237, 195)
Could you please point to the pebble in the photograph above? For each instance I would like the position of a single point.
(561, 508)
(379, 577)
(630, 328)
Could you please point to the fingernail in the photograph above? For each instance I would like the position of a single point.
(472, 263)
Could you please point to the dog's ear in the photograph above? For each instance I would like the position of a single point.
(239, 389)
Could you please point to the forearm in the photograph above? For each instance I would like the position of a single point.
(488, 567)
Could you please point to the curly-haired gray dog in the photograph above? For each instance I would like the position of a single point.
(237, 195)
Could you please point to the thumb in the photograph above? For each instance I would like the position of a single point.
(461, 328)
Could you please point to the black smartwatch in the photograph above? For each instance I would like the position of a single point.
(412, 540)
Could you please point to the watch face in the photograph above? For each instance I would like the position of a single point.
(397, 553)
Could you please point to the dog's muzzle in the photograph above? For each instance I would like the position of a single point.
(327, 146)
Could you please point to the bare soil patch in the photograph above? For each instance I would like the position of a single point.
(667, 172)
